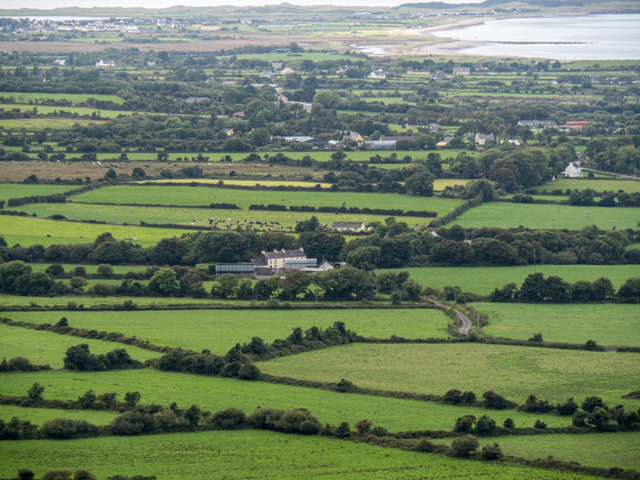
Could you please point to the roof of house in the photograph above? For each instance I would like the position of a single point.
(347, 225)
(482, 136)
(406, 137)
(283, 254)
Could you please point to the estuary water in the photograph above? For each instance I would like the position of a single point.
(584, 37)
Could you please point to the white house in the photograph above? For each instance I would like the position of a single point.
(379, 74)
(481, 139)
(573, 170)
(348, 226)
(105, 63)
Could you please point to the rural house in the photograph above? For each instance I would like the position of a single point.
(573, 170)
(348, 226)
(481, 138)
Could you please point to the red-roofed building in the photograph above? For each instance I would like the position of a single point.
(576, 125)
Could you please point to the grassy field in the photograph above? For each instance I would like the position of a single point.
(41, 415)
(514, 372)
(483, 280)
(212, 393)
(16, 190)
(42, 123)
(186, 216)
(80, 111)
(248, 454)
(513, 215)
(31, 231)
(117, 269)
(26, 97)
(574, 323)
(188, 196)
(17, 300)
(250, 183)
(629, 186)
(48, 348)
(614, 449)
(219, 330)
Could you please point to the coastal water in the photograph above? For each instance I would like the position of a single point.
(585, 37)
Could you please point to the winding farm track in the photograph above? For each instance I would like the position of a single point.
(466, 323)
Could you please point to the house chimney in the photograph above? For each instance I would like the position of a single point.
(263, 252)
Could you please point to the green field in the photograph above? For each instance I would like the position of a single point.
(17, 300)
(24, 97)
(249, 183)
(214, 393)
(607, 324)
(40, 123)
(514, 372)
(117, 269)
(628, 186)
(513, 215)
(248, 454)
(41, 415)
(48, 348)
(219, 330)
(186, 216)
(483, 280)
(613, 449)
(16, 190)
(80, 111)
(189, 196)
(31, 231)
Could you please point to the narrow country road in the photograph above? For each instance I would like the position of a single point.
(466, 323)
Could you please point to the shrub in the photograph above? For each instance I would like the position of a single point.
(105, 270)
(579, 419)
(83, 475)
(67, 428)
(424, 445)
(491, 452)
(591, 345)
(134, 422)
(464, 446)
(468, 398)
(464, 424)
(363, 426)
(26, 474)
(485, 426)
(379, 431)
(453, 397)
(591, 403)
(249, 372)
(60, 474)
(342, 430)
(494, 401)
(298, 421)
(568, 408)
(509, 424)
(537, 337)
(540, 425)
(229, 419)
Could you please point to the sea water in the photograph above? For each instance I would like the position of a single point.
(580, 37)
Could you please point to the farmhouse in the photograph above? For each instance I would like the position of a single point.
(576, 125)
(348, 226)
(280, 262)
(461, 70)
(354, 137)
(573, 170)
(105, 63)
(434, 127)
(229, 83)
(379, 74)
(481, 139)
(535, 125)
(60, 61)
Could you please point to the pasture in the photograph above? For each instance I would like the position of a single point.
(220, 330)
(75, 98)
(614, 450)
(607, 324)
(28, 231)
(514, 372)
(87, 301)
(186, 216)
(16, 190)
(48, 348)
(189, 196)
(214, 393)
(248, 454)
(39, 123)
(599, 185)
(483, 280)
(41, 415)
(513, 215)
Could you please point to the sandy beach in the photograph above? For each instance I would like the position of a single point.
(442, 45)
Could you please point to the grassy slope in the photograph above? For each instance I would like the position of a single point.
(30, 231)
(41, 415)
(16, 190)
(211, 393)
(614, 450)
(514, 372)
(483, 280)
(219, 330)
(576, 323)
(512, 215)
(247, 455)
(187, 196)
(49, 348)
